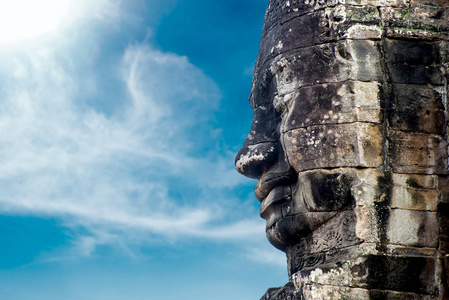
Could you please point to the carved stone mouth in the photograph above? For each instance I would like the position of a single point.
(270, 181)
(278, 194)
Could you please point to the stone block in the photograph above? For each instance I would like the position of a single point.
(413, 228)
(337, 233)
(417, 108)
(357, 60)
(388, 276)
(337, 12)
(365, 189)
(406, 33)
(333, 103)
(412, 74)
(417, 153)
(414, 199)
(363, 32)
(444, 52)
(445, 276)
(366, 61)
(390, 295)
(443, 187)
(320, 292)
(443, 223)
(395, 3)
(324, 191)
(366, 224)
(428, 18)
(330, 243)
(413, 181)
(443, 3)
(318, 27)
(329, 146)
(402, 274)
(399, 250)
(288, 291)
(349, 21)
(300, 32)
(306, 223)
(279, 12)
(412, 52)
(414, 192)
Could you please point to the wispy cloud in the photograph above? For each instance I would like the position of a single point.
(266, 254)
(128, 174)
(24, 21)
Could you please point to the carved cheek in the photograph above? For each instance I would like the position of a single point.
(327, 190)
(333, 146)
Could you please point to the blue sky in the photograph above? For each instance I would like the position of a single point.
(120, 121)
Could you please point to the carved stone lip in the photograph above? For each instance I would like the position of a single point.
(278, 194)
(269, 181)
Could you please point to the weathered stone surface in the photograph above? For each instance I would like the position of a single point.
(414, 192)
(403, 227)
(287, 292)
(415, 74)
(413, 228)
(442, 3)
(333, 62)
(280, 11)
(404, 251)
(443, 222)
(321, 26)
(412, 52)
(413, 61)
(443, 187)
(429, 18)
(365, 188)
(371, 273)
(326, 190)
(405, 274)
(418, 153)
(418, 108)
(333, 103)
(314, 252)
(377, 3)
(351, 145)
(363, 32)
(366, 224)
(414, 199)
(318, 292)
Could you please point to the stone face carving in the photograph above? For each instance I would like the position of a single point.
(349, 143)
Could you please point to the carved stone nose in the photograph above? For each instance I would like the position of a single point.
(254, 160)
(261, 149)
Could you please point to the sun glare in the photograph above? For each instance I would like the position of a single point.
(28, 20)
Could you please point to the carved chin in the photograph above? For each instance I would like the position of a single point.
(287, 232)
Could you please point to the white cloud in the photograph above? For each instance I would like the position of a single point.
(25, 21)
(266, 254)
(113, 174)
